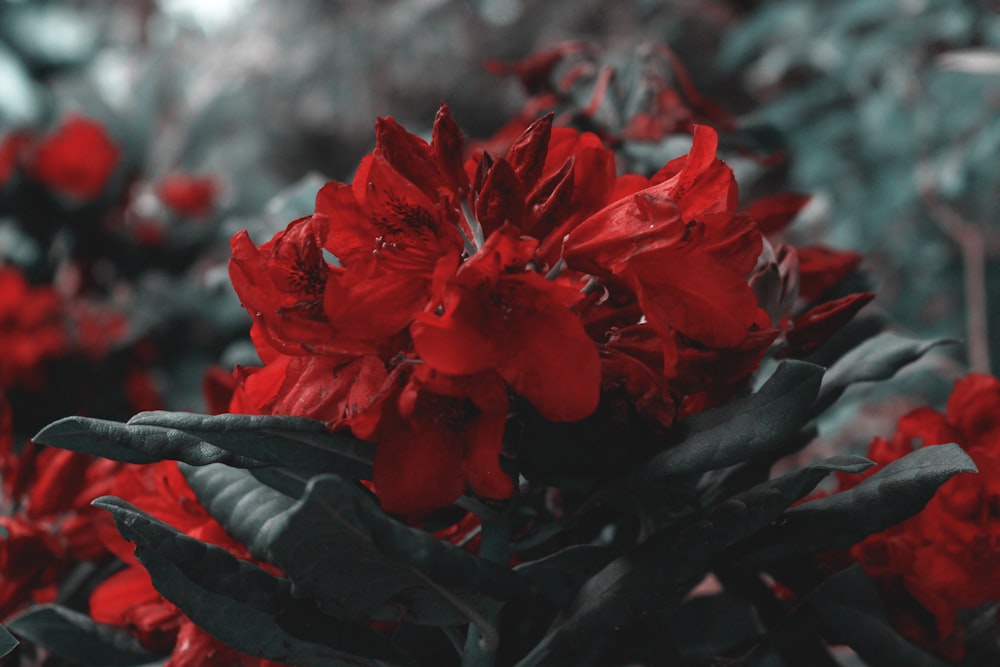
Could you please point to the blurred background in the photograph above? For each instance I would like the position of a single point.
(224, 115)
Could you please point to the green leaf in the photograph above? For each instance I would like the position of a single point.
(757, 426)
(298, 443)
(77, 638)
(245, 507)
(337, 545)
(442, 561)
(7, 642)
(241, 604)
(878, 358)
(851, 609)
(659, 572)
(135, 444)
(241, 441)
(559, 576)
(894, 493)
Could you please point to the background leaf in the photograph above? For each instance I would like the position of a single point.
(878, 358)
(894, 493)
(77, 638)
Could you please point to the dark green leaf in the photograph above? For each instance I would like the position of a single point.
(851, 610)
(242, 441)
(711, 625)
(135, 443)
(293, 442)
(7, 642)
(241, 604)
(77, 638)
(659, 572)
(897, 492)
(442, 561)
(245, 507)
(326, 545)
(878, 358)
(756, 426)
(559, 576)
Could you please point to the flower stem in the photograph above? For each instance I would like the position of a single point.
(495, 547)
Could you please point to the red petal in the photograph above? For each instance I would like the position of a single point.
(816, 325)
(409, 155)
(501, 198)
(448, 146)
(821, 268)
(521, 326)
(527, 154)
(776, 212)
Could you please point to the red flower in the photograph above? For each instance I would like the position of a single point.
(51, 525)
(75, 160)
(946, 557)
(416, 299)
(32, 329)
(188, 196)
(435, 434)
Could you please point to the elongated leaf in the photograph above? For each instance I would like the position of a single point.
(878, 358)
(442, 561)
(7, 642)
(293, 442)
(658, 573)
(77, 638)
(754, 427)
(559, 576)
(135, 444)
(893, 494)
(245, 507)
(851, 610)
(240, 603)
(242, 441)
(326, 543)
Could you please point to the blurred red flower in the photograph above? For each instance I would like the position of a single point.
(188, 195)
(33, 328)
(945, 558)
(75, 160)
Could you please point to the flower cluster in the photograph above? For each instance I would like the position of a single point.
(75, 160)
(944, 559)
(435, 297)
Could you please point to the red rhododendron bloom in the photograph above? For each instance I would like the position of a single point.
(417, 299)
(76, 159)
(48, 519)
(946, 557)
(188, 196)
(32, 329)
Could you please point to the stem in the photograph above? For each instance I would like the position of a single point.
(972, 245)
(495, 547)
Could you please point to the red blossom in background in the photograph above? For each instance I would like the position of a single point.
(75, 160)
(944, 559)
(188, 195)
(49, 521)
(32, 329)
